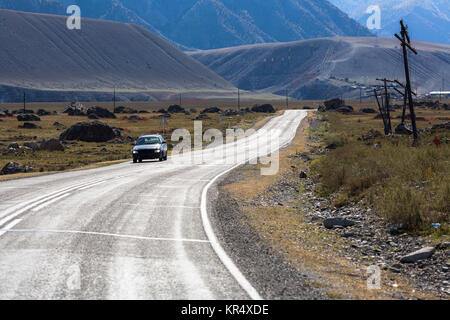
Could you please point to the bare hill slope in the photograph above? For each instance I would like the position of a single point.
(38, 52)
(209, 24)
(323, 68)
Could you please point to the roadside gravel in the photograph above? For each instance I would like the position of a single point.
(267, 270)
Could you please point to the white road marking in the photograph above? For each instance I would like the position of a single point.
(186, 180)
(172, 187)
(17, 210)
(159, 206)
(45, 204)
(9, 226)
(226, 260)
(8, 229)
(92, 185)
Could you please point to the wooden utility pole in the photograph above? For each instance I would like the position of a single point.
(405, 42)
(287, 98)
(360, 96)
(380, 108)
(404, 94)
(387, 105)
(239, 100)
(114, 100)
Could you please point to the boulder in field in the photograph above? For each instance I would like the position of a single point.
(27, 117)
(378, 116)
(230, 113)
(345, 109)
(13, 145)
(72, 111)
(440, 126)
(337, 222)
(32, 145)
(211, 110)
(334, 104)
(202, 116)
(29, 125)
(422, 254)
(101, 112)
(404, 128)
(368, 110)
(175, 109)
(4, 114)
(265, 108)
(89, 132)
(122, 109)
(51, 145)
(14, 167)
(135, 118)
(93, 116)
(42, 112)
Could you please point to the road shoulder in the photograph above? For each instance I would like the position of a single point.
(260, 223)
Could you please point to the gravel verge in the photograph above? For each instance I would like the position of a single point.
(268, 271)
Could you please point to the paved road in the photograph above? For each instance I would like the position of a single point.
(128, 231)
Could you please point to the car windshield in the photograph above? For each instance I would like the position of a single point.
(148, 140)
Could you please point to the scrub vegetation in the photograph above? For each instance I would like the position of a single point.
(406, 185)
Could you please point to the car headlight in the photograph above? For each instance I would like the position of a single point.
(135, 152)
(157, 151)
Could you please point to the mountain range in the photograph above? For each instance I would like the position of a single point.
(428, 20)
(329, 67)
(210, 24)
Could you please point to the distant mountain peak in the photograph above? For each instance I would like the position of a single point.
(208, 24)
(428, 20)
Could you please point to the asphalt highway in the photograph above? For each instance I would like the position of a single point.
(127, 231)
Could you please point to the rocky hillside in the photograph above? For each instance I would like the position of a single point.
(326, 68)
(209, 24)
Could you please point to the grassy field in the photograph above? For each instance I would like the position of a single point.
(406, 185)
(81, 154)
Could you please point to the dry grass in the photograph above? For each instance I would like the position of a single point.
(407, 185)
(83, 154)
(306, 245)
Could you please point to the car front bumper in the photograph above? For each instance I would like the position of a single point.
(148, 154)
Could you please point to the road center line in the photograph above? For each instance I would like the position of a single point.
(45, 204)
(150, 206)
(11, 225)
(91, 185)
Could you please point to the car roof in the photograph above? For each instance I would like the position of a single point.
(151, 136)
